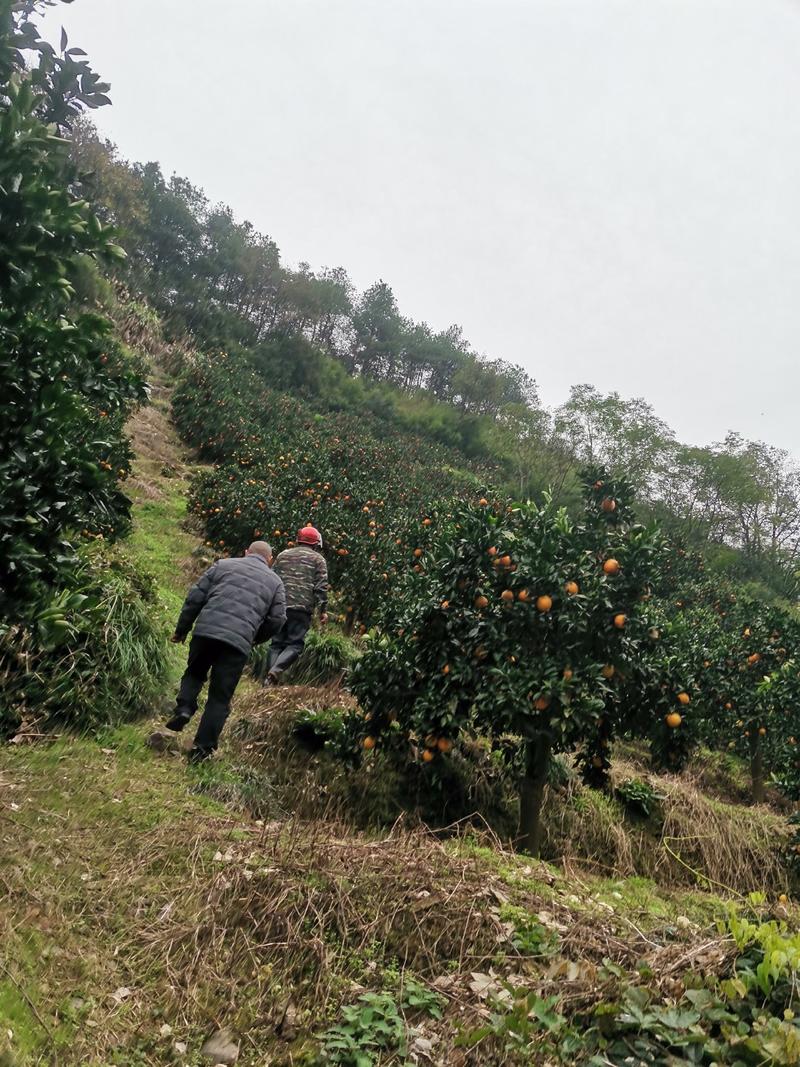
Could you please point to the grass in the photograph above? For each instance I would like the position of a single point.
(157, 539)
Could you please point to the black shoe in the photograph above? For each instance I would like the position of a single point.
(198, 755)
(270, 681)
(178, 721)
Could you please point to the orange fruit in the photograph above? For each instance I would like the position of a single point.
(684, 698)
(673, 720)
(567, 675)
(544, 603)
(444, 744)
(572, 588)
(783, 899)
(608, 671)
(483, 501)
(754, 658)
(446, 668)
(481, 602)
(445, 604)
(428, 755)
(417, 552)
(368, 742)
(493, 551)
(542, 703)
(507, 595)
(611, 566)
(620, 620)
(762, 731)
(523, 595)
(426, 522)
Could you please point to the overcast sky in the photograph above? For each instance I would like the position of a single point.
(604, 191)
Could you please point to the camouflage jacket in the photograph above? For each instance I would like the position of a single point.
(304, 574)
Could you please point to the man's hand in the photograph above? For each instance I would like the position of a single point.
(176, 639)
(324, 618)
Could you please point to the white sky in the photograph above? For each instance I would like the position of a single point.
(601, 190)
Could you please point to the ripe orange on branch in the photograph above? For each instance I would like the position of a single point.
(620, 620)
(611, 567)
(684, 698)
(673, 720)
(572, 588)
(544, 603)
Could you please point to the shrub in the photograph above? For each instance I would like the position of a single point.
(326, 656)
(93, 652)
(66, 386)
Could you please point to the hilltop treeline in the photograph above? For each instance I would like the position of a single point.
(310, 332)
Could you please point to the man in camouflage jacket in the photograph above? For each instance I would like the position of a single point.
(304, 574)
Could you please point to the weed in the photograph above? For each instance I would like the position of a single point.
(529, 937)
(638, 796)
(376, 1024)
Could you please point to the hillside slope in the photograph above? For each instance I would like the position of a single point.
(148, 906)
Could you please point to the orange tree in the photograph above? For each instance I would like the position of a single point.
(723, 648)
(514, 622)
(67, 387)
(781, 691)
(756, 691)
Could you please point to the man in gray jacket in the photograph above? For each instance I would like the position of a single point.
(237, 603)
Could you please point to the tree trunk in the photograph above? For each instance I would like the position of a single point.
(756, 767)
(531, 794)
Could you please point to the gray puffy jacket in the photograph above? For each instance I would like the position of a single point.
(239, 601)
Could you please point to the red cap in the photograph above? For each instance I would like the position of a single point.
(309, 536)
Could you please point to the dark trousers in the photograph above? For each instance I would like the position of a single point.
(289, 642)
(226, 664)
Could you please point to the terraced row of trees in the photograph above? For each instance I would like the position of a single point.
(372, 491)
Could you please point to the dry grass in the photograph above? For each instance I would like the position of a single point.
(692, 839)
(315, 916)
